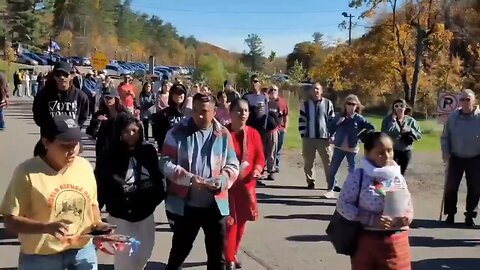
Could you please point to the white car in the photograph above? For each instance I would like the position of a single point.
(117, 71)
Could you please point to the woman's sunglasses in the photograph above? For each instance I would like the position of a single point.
(399, 106)
(351, 104)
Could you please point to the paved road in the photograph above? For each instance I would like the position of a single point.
(290, 234)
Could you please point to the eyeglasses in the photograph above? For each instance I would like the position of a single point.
(108, 97)
(464, 99)
(351, 104)
(60, 74)
(399, 106)
(272, 90)
(255, 81)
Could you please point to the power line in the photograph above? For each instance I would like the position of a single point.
(262, 28)
(237, 11)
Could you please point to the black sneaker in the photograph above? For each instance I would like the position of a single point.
(337, 189)
(450, 219)
(311, 185)
(469, 222)
(271, 177)
(260, 184)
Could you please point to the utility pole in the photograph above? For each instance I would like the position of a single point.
(349, 16)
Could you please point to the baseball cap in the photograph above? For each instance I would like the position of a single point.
(62, 66)
(178, 89)
(63, 128)
(108, 92)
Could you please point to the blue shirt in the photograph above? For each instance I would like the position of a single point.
(202, 148)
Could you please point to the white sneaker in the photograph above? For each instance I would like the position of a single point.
(329, 195)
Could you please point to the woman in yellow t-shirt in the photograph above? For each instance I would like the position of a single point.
(51, 203)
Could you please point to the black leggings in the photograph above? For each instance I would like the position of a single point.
(402, 158)
(146, 127)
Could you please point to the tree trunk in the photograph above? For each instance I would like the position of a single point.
(421, 34)
(406, 85)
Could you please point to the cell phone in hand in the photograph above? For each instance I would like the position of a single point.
(100, 232)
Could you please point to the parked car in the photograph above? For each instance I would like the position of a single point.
(116, 70)
(37, 58)
(23, 59)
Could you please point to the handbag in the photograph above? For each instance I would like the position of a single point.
(344, 233)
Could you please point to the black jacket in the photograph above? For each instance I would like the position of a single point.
(102, 131)
(50, 102)
(163, 122)
(130, 201)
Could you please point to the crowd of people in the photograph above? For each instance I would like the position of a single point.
(205, 156)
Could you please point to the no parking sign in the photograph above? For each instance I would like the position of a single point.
(447, 103)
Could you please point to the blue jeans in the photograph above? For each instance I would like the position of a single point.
(2, 119)
(34, 88)
(281, 140)
(337, 158)
(75, 259)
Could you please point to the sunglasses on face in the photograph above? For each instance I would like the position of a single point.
(399, 106)
(464, 99)
(108, 98)
(60, 74)
(255, 81)
(351, 104)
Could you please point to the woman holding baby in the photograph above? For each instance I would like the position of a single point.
(383, 243)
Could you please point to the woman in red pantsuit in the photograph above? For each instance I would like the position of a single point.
(242, 195)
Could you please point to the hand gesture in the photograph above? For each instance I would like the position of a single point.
(58, 229)
(102, 117)
(257, 174)
(384, 223)
(400, 222)
(406, 130)
(197, 181)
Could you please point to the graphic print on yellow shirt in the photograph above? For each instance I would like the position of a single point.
(40, 193)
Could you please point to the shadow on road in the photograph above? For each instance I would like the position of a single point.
(285, 187)
(150, 266)
(301, 216)
(422, 241)
(308, 238)
(450, 263)
(287, 200)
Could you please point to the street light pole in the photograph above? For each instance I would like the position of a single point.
(349, 16)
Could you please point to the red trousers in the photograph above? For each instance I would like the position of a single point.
(380, 251)
(235, 231)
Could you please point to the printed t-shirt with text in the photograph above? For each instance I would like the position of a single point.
(38, 192)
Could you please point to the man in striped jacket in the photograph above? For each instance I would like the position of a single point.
(315, 113)
(198, 158)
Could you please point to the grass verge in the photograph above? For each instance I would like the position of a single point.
(429, 143)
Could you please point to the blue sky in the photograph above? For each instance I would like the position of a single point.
(280, 23)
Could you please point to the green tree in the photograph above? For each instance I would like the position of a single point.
(318, 38)
(254, 57)
(297, 72)
(211, 70)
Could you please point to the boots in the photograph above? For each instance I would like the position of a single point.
(230, 266)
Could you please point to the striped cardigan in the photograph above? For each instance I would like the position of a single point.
(176, 162)
(314, 118)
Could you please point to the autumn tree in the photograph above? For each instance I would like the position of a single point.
(297, 72)
(413, 29)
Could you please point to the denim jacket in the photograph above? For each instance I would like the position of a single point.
(350, 127)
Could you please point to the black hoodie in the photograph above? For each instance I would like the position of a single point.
(164, 120)
(126, 197)
(51, 102)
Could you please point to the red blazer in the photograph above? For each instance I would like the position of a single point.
(242, 195)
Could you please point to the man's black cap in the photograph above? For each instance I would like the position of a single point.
(62, 66)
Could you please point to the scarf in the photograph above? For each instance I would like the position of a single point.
(388, 178)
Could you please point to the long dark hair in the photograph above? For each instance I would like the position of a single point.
(144, 88)
(176, 87)
(102, 106)
(123, 120)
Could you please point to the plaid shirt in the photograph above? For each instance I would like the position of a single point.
(176, 161)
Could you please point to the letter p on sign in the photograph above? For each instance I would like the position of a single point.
(447, 102)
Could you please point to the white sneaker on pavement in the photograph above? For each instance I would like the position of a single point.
(329, 195)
